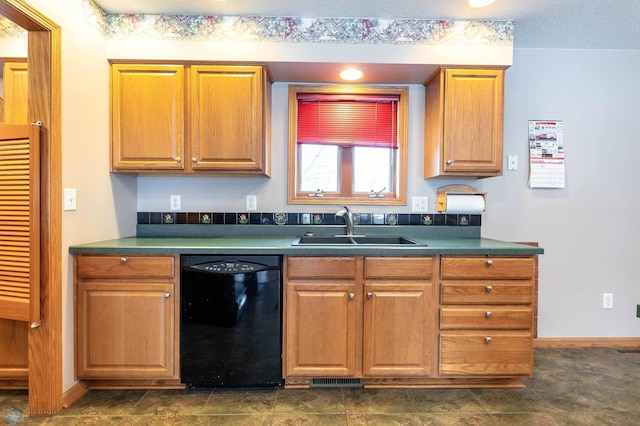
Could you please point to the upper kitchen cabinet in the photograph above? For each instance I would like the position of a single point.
(230, 119)
(147, 117)
(464, 123)
(15, 92)
(190, 118)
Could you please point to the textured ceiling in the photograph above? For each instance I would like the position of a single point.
(560, 24)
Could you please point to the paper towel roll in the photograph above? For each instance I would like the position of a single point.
(462, 203)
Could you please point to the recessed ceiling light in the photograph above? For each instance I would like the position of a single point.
(479, 3)
(351, 74)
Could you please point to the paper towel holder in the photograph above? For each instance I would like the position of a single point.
(457, 189)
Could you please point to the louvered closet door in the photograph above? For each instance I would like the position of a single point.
(20, 222)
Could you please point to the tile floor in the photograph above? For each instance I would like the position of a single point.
(579, 386)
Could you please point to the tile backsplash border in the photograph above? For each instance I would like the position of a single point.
(317, 219)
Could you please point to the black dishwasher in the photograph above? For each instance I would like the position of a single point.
(230, 321)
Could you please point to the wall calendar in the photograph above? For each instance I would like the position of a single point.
(546, 154)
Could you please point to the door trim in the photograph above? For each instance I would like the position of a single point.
(45, 342)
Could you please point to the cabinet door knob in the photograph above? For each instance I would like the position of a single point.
(489, 262)
(194, 159)
(487, 339)
(449, 162)
(369, 295)
(178, 159)
(166, 295)
(489, 314)
(123, 260)
(351, 295)
(489, 288)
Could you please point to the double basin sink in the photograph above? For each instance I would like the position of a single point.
(360, 240)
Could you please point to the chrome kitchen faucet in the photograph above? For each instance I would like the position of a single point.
(347, 215)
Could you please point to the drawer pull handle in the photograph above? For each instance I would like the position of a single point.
(194, 159)
(489, 262)
(489, 314)
(369, 295)
(178, 159)
(351, 296)
(489, 288)
(449, 162)
(123, 260)
(487, 339)
(166, 295)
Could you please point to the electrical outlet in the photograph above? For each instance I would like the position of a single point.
(252, 203)
(175, 202)
(607, 300)
(512, 162)
(420, 204)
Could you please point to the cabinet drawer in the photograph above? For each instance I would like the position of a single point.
(125, 267)
(321, 267)
(486, 267)
(486, 354)
(398, 267)
(486, 292)
(486, 317)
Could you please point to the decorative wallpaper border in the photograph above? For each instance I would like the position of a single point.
(244, 218)
(287, 29)
(291, 29)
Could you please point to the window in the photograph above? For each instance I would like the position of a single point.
(347, 144)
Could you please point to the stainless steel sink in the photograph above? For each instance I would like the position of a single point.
(360, 240)
(385, 240)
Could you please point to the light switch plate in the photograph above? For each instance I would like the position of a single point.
(69, 199)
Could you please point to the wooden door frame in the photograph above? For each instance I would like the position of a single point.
(45, 342)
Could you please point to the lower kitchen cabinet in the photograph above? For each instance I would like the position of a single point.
(14, 350)
(477, 353)
(358, 317)
(320, 325)
(486, 316)
(398, 317)
(127, 320)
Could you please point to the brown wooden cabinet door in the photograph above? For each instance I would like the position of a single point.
(228, 119)
(320, 328)
(464, 123)
(126, 330)
(13, 350)
(147, 117)
(15, 93)
(473, 121)
(397, 333)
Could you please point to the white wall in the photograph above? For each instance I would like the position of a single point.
(589, 230)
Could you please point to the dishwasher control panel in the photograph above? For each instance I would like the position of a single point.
(226, 267)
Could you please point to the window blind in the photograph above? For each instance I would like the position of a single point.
(348, 120)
